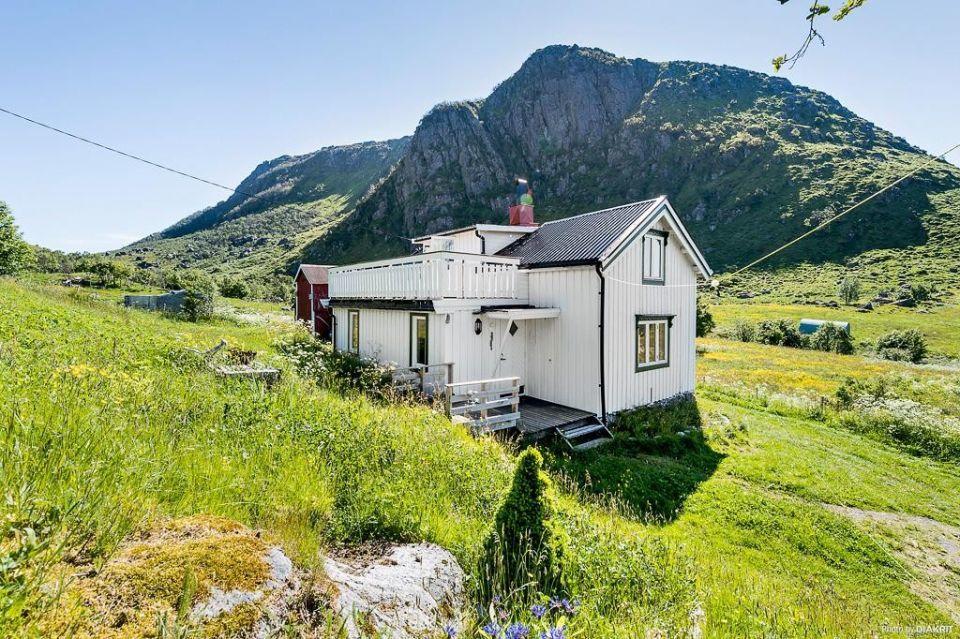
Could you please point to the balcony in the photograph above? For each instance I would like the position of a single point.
(430, 276)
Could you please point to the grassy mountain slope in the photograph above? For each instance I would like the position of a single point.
(297, 199)
(749, 160)
(114, 424)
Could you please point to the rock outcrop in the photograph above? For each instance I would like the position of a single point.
(403, 592)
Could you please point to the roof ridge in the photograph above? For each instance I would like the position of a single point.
(611, 208)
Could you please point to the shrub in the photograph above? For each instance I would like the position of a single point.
(524, 552)
(200, 289)
(233, 287)
(921, 292)
(848, 290)
(780, 332)
(705, 321)
(340, 370)
(110, 273)
(833, 339)
(745, 331)
(909, 345)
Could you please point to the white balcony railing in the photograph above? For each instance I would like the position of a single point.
(428, 276)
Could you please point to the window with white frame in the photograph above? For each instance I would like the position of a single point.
(654, 245)
(353, 331)
(653, 342)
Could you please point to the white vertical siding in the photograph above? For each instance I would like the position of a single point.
(563, 360)
(625, 299)
(385, 334)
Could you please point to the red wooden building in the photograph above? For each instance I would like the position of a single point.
(312, 297)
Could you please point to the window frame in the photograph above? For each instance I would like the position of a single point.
(413, 343)
(655, 281)
(353, 332)
(650, 320)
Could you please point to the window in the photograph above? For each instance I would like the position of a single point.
(419, 342)
(653, 342)
(353, 331)
(654, 244)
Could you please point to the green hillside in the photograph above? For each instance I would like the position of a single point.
(781, 520)
(749, 160)
(279, 208)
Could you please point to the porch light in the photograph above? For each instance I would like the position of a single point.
(477, 326)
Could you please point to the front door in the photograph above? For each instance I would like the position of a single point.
(419, 340)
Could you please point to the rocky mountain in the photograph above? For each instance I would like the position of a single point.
(749, 161)
(280, 207)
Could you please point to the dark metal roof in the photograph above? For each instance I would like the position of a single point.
(581, 239)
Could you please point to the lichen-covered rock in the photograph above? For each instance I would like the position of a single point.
(405, 591)
(204, 574)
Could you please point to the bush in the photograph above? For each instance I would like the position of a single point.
(200, 289)
(780, 332)
(909, 345)
(339, 370)
(745, 331)
(848, 290)
(705, 321)
(833, 339)
(233, 287)
(110, 273)
(921, 292)
(523, 554)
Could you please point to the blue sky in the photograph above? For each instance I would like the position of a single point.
(214, 88)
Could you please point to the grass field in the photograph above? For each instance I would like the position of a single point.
(110, 422)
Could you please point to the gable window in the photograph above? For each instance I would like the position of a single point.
(353, 331)
(653, 341)
(419, 340)
(654, 254)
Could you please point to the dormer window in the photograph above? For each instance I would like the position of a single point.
(654, 257)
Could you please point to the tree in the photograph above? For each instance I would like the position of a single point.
(200, 289)
(848, 290)
(110, 273)
(15, 254)
(233, 287)
(705, 321)
(817, 9)
(523, 554)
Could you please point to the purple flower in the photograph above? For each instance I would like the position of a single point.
(570, 607)
(517, 631)
(496, 599)
(450, 631)
(538, 611)
(554, 633)
(492, 629)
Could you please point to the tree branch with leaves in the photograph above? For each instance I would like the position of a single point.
(817, 10)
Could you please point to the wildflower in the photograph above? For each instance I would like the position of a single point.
(570, 607)
(517, 631)
(496, 599)
(450, 631)
(538, 611)
(492, 629)
(554, 633)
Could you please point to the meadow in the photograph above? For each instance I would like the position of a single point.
(724, 522)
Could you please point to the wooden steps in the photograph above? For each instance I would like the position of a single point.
(584, 434)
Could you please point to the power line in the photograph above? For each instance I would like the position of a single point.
(839, 215)
(137, 157)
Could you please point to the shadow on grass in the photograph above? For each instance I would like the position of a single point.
(657, 459)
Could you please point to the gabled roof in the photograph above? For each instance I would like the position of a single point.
(594, 238)
(314, 273)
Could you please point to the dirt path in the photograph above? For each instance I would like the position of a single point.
(930, 549)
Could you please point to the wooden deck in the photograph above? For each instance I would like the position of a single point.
(538, 417)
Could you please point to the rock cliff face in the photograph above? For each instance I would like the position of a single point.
(750, 161)
(747, 159)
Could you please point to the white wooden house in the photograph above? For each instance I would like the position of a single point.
(551, 327)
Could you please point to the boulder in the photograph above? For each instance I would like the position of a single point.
(403, 591)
